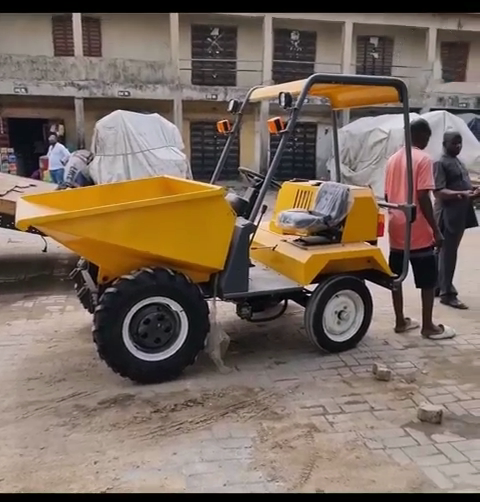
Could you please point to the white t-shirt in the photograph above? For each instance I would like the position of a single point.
(57, 156)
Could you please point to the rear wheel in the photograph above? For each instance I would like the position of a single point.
(151, 325)
(339, 313)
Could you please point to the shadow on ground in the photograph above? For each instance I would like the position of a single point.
(35, 272)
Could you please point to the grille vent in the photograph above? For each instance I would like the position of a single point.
(303, 199)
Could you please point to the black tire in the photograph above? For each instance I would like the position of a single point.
(84, 297)
(189, 325)
(355, 293)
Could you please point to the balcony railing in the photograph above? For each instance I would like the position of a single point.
(287, 70)
(246, 73)
(96, 77)
(82, 70)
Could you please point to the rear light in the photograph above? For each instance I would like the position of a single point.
(381, 225)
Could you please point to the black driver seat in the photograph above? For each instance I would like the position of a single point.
(332, 204)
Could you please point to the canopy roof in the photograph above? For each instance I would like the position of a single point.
(340, 95)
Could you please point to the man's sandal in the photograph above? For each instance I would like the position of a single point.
(410, 325)
(446, 334)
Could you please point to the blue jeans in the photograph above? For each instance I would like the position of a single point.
(57, 175)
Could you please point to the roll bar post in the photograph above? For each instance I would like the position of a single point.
(233, 134)
(320, 78)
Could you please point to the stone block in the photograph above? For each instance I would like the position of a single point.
(430, 413)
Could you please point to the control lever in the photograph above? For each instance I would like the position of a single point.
(259, 220)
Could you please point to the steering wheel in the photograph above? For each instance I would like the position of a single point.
(252, 176)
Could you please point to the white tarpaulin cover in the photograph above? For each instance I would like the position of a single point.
(367, 143)
(129, 145)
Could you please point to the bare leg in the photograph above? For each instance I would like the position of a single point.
(397, 298)
(428, 327)
(402, 324)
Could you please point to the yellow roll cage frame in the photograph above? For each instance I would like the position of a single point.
(342, 92)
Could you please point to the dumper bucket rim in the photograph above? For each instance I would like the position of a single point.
(23, 223)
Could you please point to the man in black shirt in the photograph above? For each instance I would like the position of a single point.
(454, 211)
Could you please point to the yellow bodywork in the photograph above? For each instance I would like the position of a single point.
(274, 248)
(340, 96)
(188, 226)
(162, 221)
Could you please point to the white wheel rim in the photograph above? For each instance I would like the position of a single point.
(343, 315)
(171, 350)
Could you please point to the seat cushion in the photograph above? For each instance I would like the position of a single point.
(299, 219)
(329, 210)
(332, 200)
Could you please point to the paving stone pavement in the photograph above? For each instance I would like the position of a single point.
(287, 419)
(21, 257)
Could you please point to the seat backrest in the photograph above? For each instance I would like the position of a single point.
(332, 202)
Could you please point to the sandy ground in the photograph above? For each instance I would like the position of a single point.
(69, 424)
(287, 419)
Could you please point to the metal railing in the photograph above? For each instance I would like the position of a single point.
(287, 70)
(221, 72)
(247, 73)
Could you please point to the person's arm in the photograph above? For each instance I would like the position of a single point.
(65, 155)
(441, 191)
(476, 193)
(425, 184)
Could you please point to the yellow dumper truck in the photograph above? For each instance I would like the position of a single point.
(163, 246)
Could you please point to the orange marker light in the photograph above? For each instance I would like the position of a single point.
(224, 127)
(276, 125)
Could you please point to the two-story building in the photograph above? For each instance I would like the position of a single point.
(67, 70)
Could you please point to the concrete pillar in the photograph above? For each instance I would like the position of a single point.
(347, 46)
(263, 147)
(431, 44)
(175, 64)
(178, 111)
(432, 71)
(431, 48)
(267, 55)
(80, 122)
(77, 34)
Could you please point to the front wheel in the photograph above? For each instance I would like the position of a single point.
(339, 313)
(150, 325)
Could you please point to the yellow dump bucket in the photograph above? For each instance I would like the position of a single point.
(120, 227)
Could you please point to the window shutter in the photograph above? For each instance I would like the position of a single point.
(62, 34)
(214, 55)
(454, 57)
(92, 37)
(367, 64)
(294, 53)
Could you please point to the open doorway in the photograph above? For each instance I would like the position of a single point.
(28, 139)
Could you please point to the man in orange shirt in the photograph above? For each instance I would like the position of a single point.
(425, 233)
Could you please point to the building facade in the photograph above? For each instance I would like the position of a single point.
(65, 71)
